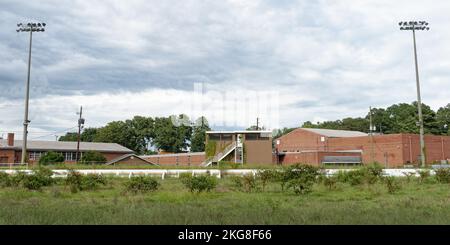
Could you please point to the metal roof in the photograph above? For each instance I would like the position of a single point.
(335, 133)
(239, 132)
(66, 146)
(120, 158)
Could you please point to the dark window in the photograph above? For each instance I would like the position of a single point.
(251, 136)
(214, 136)
(227, 137)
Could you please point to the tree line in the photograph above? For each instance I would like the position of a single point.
(145, 135)
(177, 133)
(397, 118)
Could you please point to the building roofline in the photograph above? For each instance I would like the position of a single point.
(174, 154)
(42, 145)
(239, 132)
(118, 159)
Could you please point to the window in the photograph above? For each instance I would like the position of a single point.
(227, 137)
(214, 136)
(70, 156)
(34, 155)
(251, 136)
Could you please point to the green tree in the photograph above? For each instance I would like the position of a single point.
(93, 157)
(117, 132)
(143, 132)
(381, 120)
(51, 158)
(443, 119)
(69, 136)
(199, 135)
(135, 134)
(355, 124)
(168, 136)
(403, 118)
(88, 134)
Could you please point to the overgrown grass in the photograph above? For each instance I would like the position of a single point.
(416, 202)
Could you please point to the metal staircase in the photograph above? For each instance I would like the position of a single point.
(220, 156)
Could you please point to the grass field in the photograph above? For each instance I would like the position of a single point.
(414, 203)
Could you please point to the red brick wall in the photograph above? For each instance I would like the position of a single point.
(311, 158)
(16, 156)
(387, 149)
(300, 140)
(393, 150)
(436, 148)
(181, 159)
(7, 156)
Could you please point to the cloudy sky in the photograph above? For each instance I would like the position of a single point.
(308, 60)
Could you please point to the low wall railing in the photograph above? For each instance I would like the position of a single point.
(163, 173)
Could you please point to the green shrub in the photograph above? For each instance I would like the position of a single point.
(295, 174)
(200, 183)
(51, 158)
(301, 185)
(392, 184)
(369, 174)
(442, 175)
(353, 177)
(266, 176)
(409, 176)
(92, 181)
(17, 179)
(424, 174)
(44, 175)
(93, 157)
(249, 183)
(330, 182)
(141, 184)
(237, 183)
(32, 182)
(78, 182)
(298, 177)
(4, 179)
(74, 181)
(375, 170)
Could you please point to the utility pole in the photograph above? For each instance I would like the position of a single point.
(30, 27)
(417, 25)
(257, 123)
(371, 136)
(80, 123)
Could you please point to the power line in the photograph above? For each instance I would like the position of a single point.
(52, 134)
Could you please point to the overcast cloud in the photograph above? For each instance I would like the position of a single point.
(324, 59)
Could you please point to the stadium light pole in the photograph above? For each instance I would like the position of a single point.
(419, 26)
(29, 27)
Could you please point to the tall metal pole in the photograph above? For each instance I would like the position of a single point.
(371, 136)
(27, 96)
(419, 105)
(417, 25)
(31, 27)
(79, 133)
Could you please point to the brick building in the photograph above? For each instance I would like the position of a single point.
(176, 159)
(253, 147)
(11, 150)
(317, 146)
